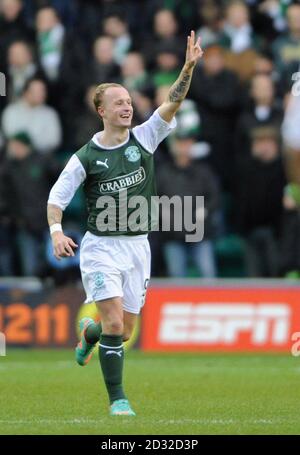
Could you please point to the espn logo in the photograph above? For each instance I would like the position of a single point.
(224, 324)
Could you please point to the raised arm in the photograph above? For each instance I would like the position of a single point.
(179, 89)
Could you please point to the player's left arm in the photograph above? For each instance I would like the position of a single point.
(179, 89)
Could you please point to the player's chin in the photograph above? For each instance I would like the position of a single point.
(126, 121)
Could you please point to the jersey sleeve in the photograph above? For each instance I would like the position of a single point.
(152, 132)
(67, 183)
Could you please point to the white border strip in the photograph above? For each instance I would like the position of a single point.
(110, 347)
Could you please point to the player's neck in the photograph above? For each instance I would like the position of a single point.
(110, 136)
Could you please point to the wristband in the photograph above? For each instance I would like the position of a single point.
(55, 228)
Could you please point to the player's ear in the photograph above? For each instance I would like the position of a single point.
(100, 111)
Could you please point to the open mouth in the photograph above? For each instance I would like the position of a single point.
(127, 116)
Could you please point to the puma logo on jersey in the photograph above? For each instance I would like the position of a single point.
(119, 353)
(102, 163)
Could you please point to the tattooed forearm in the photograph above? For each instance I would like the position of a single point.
(54, 214)
(180, 88)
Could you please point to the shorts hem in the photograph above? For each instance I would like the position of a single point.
(131, 311)
(105, 297)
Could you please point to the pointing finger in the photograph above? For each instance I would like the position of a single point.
(193, 37)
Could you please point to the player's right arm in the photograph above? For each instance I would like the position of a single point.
(60, 196)
(62, 245)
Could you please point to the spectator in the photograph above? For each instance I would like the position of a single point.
(211, 18)
(27, 179)
(167, 66)
(92, 12)
(270, 17)
(263, 111)
(33, 116)
(165, 34)
(260, 188)
(239, 40)
(103, 67)
(21, 68)
(165, 25)
(116, 27)
(217, 92)
(184, 177)
(67, 10)
(286, 48)
(238, 34)
(50, 37)
(264, 65)
(133, 72)
(63, 60)
(12, 26)
(185, 13)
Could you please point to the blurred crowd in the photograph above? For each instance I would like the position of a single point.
(227, 147)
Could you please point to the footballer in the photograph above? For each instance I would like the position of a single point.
(115, 264)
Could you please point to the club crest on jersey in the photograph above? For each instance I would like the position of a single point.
(132, 153)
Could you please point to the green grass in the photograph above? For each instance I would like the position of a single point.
(45, 392)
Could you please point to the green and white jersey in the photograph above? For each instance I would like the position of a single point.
(114, 178)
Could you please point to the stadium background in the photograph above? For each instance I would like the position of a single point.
(236, 291)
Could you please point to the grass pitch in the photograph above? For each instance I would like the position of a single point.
(45, 392)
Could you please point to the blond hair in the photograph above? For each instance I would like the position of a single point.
(100, 90)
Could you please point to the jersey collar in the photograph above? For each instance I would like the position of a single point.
(96, 142)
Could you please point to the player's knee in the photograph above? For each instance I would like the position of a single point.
(114, 327)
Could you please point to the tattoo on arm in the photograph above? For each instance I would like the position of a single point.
(54, 214)
(180, 88)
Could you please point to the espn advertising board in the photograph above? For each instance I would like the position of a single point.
(244, 316)
(179, 316)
